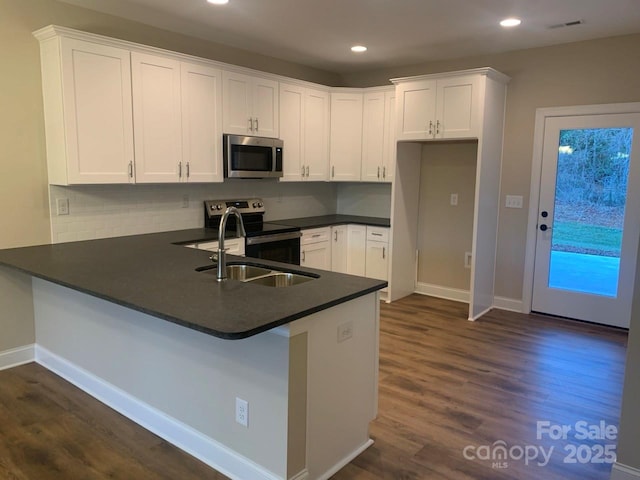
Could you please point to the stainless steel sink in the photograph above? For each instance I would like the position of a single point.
(245, 272)
(281, 279)
(260, 275)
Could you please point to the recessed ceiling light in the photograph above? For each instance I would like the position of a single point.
(510, 22)
(358, 48)
(218, 2)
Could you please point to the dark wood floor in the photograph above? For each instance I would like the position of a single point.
(445, 384)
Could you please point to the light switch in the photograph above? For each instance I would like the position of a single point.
(513, 201)
(454, 199)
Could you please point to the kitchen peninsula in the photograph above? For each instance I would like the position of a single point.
(136, 322)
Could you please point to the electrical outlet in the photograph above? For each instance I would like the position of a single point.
(467, 259)
(242, 412)
(185, 201)
(454, 199)
(62, 206)
(345, 331)
(514, 201)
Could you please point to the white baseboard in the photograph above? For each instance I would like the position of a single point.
(510, 304)
(442, 292)
(345, 461)
(624, 472)
(17, 356)
(302, 475)
(204, 448)
(457, 295)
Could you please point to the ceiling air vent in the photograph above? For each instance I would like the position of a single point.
(566, 24)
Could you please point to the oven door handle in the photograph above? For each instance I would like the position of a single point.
(276, 237)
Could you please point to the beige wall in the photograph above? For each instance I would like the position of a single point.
(592, 72)
(445, 232)
(23, 173)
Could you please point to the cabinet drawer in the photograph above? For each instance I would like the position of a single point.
(314, 235)
(378, 234)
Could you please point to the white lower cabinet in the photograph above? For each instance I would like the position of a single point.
(339, 249)
(315, 248)
(377, 255)
(356, 249)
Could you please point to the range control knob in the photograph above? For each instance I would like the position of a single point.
(254, 204)
(218, 207)
(260, 204)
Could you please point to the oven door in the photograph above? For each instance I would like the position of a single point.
(279, 247)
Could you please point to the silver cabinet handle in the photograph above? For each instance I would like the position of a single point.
(257, 125)
(384, 172)
(307, 170)
(333, 171)
(438, 127)
(378, 172)
(384, 252)
(251, 124)
(431, 127)
(131, 169)
(303, 256)
(376, 234)
(180, 169)
(316, 235)
(303, 170)
(336, 235)
(188, 170)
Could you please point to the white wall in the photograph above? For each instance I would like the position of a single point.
(101, 211)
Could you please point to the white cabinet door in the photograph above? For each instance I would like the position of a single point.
(316, 255)
(377, 255)
(291, 131)
(156, 118)
(94, 105)
(373, 138)
(265, 107)
(249, 105)
(304, 128)
(339, 248)
(458, 107)
(389, 157)
(377, 263)
(416, 110)
(346, 137)
(316, 123)
(201, 88)
(356, 249)
(236, 103)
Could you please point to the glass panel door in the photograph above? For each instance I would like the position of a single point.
(588, 219)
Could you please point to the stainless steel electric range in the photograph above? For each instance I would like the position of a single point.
(270, 241)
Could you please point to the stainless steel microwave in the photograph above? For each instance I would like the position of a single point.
(252, 157)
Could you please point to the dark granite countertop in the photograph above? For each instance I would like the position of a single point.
(153, 274)
(329, 220)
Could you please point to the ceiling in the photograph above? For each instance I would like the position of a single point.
(319, 33)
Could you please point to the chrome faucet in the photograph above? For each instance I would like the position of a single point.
(222, 261)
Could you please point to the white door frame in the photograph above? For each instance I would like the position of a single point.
(536, 172)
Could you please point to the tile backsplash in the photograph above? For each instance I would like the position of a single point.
(100, 211)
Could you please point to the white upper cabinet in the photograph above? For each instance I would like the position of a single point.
(442, 108)
(157, 119)
(346, 136)
(249, 105)
(378, 136)
(304, 129)
(87, 108)
(201, 88)
(316, 134)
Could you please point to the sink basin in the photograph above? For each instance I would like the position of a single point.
(281, 279)
(241, 272)
(245, 272)
(260, 275)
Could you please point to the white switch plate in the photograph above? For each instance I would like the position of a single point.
(242, 412)
(345, 331)
(454, 199)
(513, 201)
(62, 206)
(467, 259)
